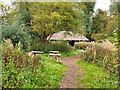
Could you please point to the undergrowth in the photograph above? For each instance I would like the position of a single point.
(19, 70)
(95, 76)
(70, 53)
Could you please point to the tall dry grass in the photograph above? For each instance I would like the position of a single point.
(102, 54)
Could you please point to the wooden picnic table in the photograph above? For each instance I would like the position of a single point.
(53, 51)
(53, 54)
(37, 52)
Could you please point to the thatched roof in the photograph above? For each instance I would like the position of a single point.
(62, 35)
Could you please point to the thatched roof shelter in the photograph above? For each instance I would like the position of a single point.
(62, 35)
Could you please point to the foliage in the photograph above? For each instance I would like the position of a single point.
(17, 32)
(100, 21)
(13, 26)
(103, 55)
(4, 15)
(81, 45)
(105, 23)
(115, 12)
(87, 21)
(19, 70)
(114, 7)
(45, 19)
(70, 53)
(95, 77)
(46, 47)
(54, 17)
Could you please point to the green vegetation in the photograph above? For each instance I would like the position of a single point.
(30, 23)
(95, 76)
(19, 70)
(98, 59)
(44, 19)
(17, 32)
(81, 45)
(46, 47)
(64, 54)
(70, 53)
(54, 18)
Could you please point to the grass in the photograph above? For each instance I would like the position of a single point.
(66, 54)
(51, 74)
(53, 71)
(63, 54)
(95, 76)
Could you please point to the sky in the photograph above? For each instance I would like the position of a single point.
(100, 4)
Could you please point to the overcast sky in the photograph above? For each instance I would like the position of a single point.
(102, 4)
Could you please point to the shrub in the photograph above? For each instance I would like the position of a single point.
(46, 47)
(22, 71)
(98, 52)
(15, 63)
(81, 45)
(17, 31)
(62, 47)
(104, 56)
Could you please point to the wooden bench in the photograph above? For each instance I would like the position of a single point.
(53, 54)
(36, 52)
(58, 57)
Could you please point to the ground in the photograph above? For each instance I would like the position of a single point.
(70, 77)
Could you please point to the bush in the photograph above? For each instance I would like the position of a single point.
(17, 31)
(81, 45)
(99, 51)
(19, 70)
(46, 47)
(104, 56)
(62, 47)
(15, 63)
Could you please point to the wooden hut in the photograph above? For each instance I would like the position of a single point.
(68, 36)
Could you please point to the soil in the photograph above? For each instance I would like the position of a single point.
(70, 77)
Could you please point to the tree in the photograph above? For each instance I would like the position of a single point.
(16, 32)
(112, 22)
(49, 18)
(87, 21)
(13, 26)
(100, 21)
(115, 27)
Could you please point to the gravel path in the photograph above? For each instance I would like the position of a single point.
(72, 72)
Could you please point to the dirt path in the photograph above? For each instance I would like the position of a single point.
(71, 74)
